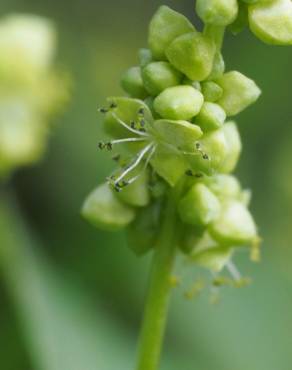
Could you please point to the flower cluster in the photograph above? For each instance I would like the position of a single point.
(30, 89)
(174, 129)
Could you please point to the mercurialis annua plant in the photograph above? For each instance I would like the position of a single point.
(30, 90)
(175, 142)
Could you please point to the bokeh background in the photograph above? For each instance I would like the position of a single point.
(71, 297)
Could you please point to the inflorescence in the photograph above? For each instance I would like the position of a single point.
(174, 128)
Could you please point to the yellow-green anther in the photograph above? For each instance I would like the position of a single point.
(213, 147)
(211, 91)
(137, 193)
(234, 226)
(179, 134)
(179, 103)
(218, 67)
(199, 206)
(217, 12)
(211, 117)
(271, 21)
(165, 26)
(239, 92)
(102, 209)
(145, 57)
(158, 76)
(234, 147)
(193, 54)
(126, 110)
(132, 83)
(168, 164)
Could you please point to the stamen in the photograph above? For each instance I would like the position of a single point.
(128, 127)
(145, 165)
(233, 271)
(135, 164)
(103, 110)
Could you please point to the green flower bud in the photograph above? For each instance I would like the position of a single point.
(195, 84)
(145, 57)
(180, 134)
(207, 253)
(137, 193)
(217, 12)
(158, 76)
(235, 225)
(224, 186)
(211, 91)
(211, 117)
(213, 147)
(179, 103)
(169, 164)
(103, 210)
(193, 54)
(190, 236)
(199, 206)
(233, 147)
(165, 26)
(271, 21)
(218, 67)
(142, 232)
(127, 110)
(238, 92)
(132, 83)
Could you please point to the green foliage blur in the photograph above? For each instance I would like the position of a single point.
(71, 297)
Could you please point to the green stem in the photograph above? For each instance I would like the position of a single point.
(216, 33)
(155, 316)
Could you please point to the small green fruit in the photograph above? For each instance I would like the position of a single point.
(234, 147)
(235, 225)
(239, 92)
(103, 210)
(192, 54)
(179, 103)
(271, 21)
(132, 83)
(211, 91)
(211, 117)
(165, 26)
(217, 12)
(158, 76)
(199, 206)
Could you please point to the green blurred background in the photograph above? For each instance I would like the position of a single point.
(72, 296)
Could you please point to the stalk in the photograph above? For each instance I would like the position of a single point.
(156, 309)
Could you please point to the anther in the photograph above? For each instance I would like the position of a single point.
(116, 157)
(101, 145)
(113, 105)
(103, 110)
